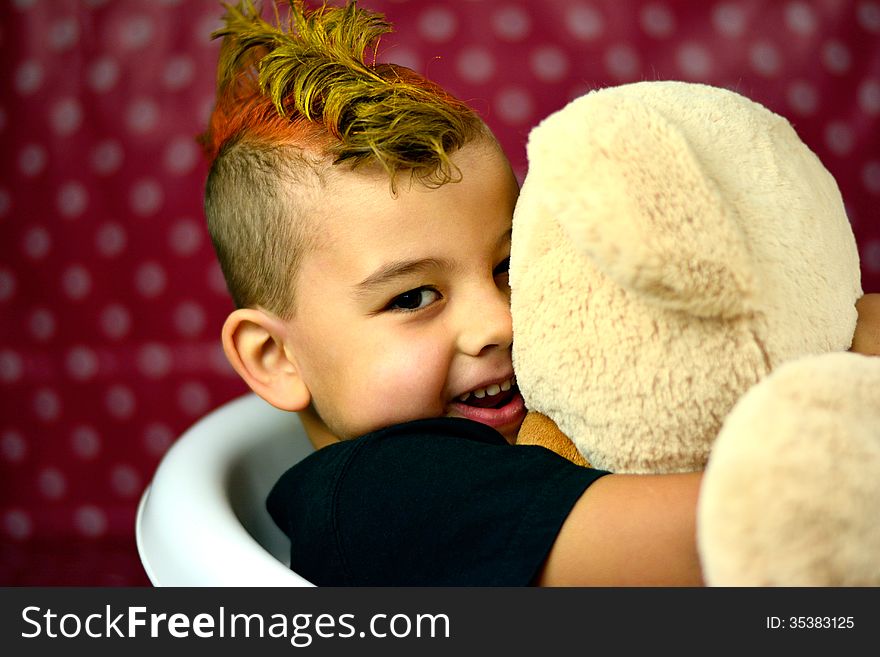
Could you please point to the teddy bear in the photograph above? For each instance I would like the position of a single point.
(684, 280)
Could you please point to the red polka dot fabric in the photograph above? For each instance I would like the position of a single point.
(110, 298)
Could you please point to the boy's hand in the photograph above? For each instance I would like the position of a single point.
(866, 339)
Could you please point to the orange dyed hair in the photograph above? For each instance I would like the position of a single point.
(292, 101)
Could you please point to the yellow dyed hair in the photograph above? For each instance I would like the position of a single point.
(294, 97)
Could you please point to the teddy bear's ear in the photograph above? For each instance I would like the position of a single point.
(630, 191)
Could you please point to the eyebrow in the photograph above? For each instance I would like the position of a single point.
(392, 271)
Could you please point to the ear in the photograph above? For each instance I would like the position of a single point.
(633, 196)
(254, 343)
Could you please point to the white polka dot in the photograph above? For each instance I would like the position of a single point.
(13, 446)
(47, 404)
(63, 34)
(514, 105)
(871, 256)
(836, 57)
(800, 19)
(32, 160)
(158, 438)
(142, 115)
(51, 483)
(154, 360)
(72, 199)
(803, 97)
(511, 23)
(42, 324)
(107, 157)
(82, 363)
(622, 62)
(839, 137)
(216, 282)
(657, 20)
(17, 524)
(694, 61)
(584, 22)
(7, 284)
(729, 19)
(189, 319)
(549, 64)
(66, 116)
(193, 398)
(765, 58)
(5, 202)
(90, 521)
(401, 56)
(179, 72)
(103, 74)
(869, 97)
(146, 197)
(37, 242)
(120, 402)
(475, 65)
(219, 362)
(11, 366)
(115, 321)
(185, 237)
(181, 155)
(110, 240)
(437, 24)
(28, 77)
(869, 16)
(871, 176)
(76, 282)
(150, 279)
(136, 32)
(125, 481)
(85, 442)
(204, 27)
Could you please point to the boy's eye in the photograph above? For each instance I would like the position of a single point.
(414, 299)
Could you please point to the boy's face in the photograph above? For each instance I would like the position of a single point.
(403, 308)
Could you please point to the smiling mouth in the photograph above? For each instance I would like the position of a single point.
(499, 405)
(493, 396)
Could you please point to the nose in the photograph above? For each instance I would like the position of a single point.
(484, 322)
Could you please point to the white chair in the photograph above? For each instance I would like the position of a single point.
(202, 521)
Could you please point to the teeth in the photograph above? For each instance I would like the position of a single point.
(491, 390)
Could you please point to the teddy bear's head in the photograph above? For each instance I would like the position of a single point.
(673, 243)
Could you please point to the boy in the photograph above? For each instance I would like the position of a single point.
(362, 218)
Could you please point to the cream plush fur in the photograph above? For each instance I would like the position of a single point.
(673, 245)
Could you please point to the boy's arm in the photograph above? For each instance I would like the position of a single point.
(866, 339)
(629, 530)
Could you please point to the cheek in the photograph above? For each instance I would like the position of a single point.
(413, 375)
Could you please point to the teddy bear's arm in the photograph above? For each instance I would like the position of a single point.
(866, 339)
(538, 429)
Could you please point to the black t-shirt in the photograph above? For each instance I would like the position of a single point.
(437, 502)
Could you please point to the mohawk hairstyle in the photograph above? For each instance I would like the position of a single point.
(290, 99)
